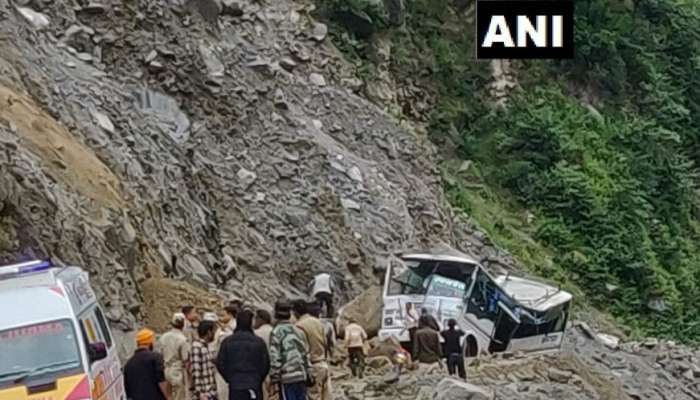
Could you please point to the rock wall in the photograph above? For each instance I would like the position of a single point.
(224, 148)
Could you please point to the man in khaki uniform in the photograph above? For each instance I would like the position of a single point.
(316, 341)
(175, 349)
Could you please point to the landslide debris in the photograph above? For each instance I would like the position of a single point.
(225, 148)
(585, 369)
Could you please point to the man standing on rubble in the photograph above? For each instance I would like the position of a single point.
(144, 377)
(322, 288)
(316, 341)
(453, 349)
(355, 337)
(201, 363)
(315, 311)
(175, 350)
(427, 348)
(244, 361)
(289, 365)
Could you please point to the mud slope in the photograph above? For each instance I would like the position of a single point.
(141, 141)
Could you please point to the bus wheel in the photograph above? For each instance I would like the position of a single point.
(471, 349)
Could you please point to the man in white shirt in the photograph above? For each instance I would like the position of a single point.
(322, 288)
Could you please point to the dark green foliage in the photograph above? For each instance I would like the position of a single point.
(618, 197)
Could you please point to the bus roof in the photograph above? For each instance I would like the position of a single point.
(441, 252)
(534, 295)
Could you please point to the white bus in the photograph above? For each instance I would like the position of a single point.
(497, 314)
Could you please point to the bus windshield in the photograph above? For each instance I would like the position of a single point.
(38, 350)
(445, 287)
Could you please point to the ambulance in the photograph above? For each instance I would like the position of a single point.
(55, 343)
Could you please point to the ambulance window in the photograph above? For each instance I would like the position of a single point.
(90, 329)
(103, 327)
(82, 330)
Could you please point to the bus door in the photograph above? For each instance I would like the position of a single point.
(505, 326)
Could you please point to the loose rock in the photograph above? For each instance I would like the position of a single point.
(317, 79)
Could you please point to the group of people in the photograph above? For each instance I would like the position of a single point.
(240, 355)
(425, 335)
(243, 354)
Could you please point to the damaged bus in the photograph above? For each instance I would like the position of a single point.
(497, 314)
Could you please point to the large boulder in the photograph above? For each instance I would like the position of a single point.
(452, 389)
(366, 310)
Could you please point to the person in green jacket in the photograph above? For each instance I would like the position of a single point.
(289, 363)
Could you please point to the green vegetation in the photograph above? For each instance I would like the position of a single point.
(603, 150)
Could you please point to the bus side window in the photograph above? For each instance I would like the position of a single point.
(103, 327)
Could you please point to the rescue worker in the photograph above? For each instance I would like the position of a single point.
(263, 329)
(175, 350)
(427, 348)
(322, 288)
(453, 349)
(144, 375)
(355, 337)
(227, 324)
(289, 365)
(191, 322)
(201, 363)
(244, 361)
(315, 335)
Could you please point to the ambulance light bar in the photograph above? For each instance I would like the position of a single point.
(25, 268)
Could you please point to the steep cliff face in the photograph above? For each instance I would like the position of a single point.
(223, 147)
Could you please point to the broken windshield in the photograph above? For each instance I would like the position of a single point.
(405, 279)
(445, 287)
(411, 276)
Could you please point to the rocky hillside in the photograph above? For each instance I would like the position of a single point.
(222, 147)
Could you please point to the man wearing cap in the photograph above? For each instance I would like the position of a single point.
(144, 377)
(175, 349)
